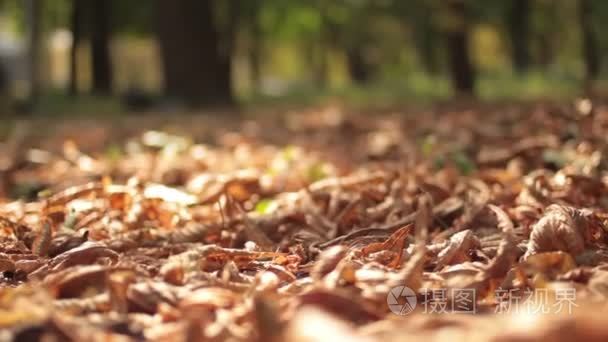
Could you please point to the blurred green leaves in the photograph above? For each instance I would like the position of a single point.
(265, 206)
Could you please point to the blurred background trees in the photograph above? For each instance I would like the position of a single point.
(222, 52)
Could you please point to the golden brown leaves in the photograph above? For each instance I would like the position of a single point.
(154, 256)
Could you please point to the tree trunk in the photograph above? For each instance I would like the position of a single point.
(358, 68)
(427, 51)
(5, 103)
(320, 64)
(195, 71)
(34, 18)
(255, 60)
(518, 23)
(589, 41)
(546, 54)
(100, 47)
(461, 68)
(227, 45)
(320, 46)
(255, 49)
(76, 27)
(425, 35)
(545, 36)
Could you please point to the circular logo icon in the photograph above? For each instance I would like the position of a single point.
(401, 300)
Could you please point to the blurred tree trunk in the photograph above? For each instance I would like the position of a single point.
(76, 27)
(356, 41)
(34, 19)
(255, 47)
(255, 57)
(358, 68)
(425, 35)
(518, 23)
(545, 35)
(320, 64)
(227, 43)
(589, 41)
(100, 46)
(5, 102)
(546, 53)
(427, 51)
(461, 68)
(195, 70)
(320, 48)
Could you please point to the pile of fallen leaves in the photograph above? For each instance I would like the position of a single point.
(301, 227)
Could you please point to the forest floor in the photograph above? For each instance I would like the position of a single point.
(477, 222)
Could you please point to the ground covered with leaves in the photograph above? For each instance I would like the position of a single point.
(488, 224)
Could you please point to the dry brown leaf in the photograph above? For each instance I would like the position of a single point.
(559, 229)
(458, 249)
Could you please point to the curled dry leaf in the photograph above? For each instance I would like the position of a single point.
(508, 252)
(561, 228)
(327, 261)
(65, 241)
(411, 272)
(504, 221)
(458, 249)
(87, 253)
(395, 244)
